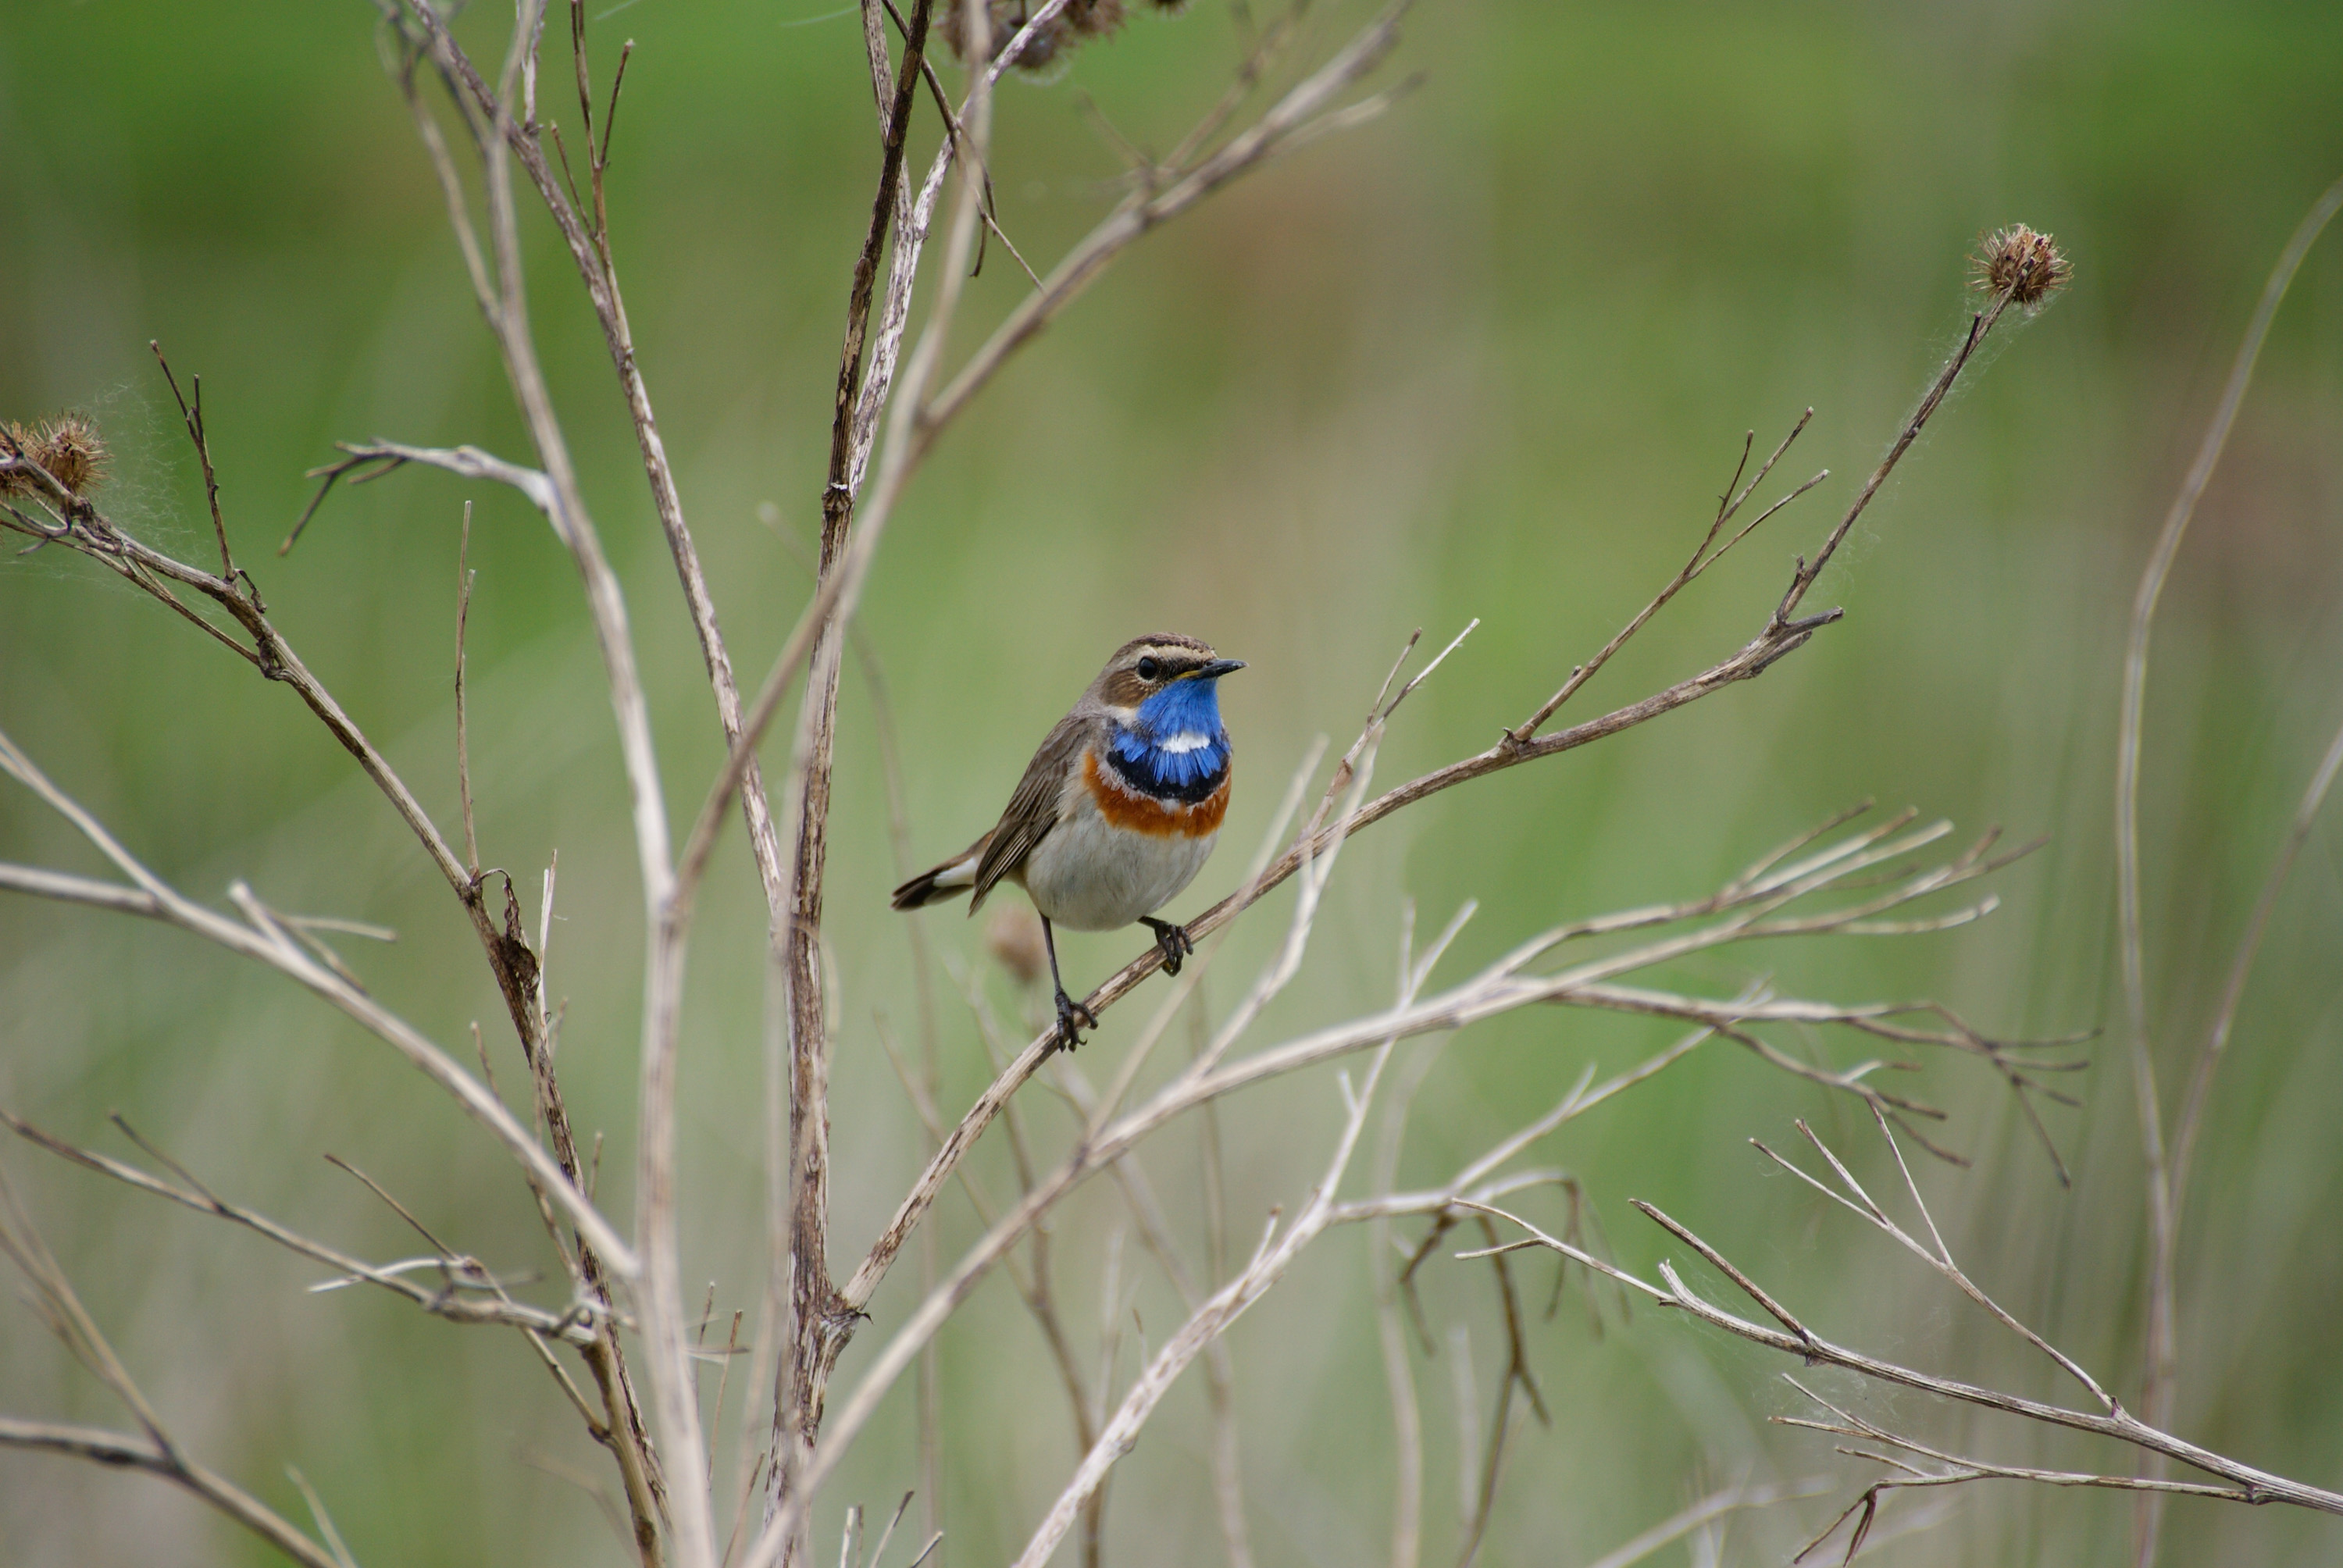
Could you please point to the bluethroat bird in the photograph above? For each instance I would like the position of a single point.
(1117, 811)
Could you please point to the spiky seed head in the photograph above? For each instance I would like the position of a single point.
(68, 447)
(2027, 265)
(1080, 20)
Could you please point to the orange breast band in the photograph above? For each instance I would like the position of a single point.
(1137, 813)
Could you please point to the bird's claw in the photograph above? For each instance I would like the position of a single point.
(1173, 941)
(1071, 1014)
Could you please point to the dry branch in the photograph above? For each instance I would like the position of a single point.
(51, 1297)
(1794, 1337)
(470, 1295)
(2167, 1159)
(263, 939)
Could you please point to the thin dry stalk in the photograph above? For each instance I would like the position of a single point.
(588, 240)
(2163, 1176)
(1269, 1260)
(51, 1296)
(1957, 1472)
(464, 576)
(1703, 1513)
(271, 943)
(2246, 1483)
(467, 1298)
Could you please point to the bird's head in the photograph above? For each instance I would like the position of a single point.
(1165, 686)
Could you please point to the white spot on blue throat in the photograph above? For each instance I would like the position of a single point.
(1182, 708)
(1175, 742)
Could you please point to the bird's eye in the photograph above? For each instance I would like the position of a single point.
(1150, 667)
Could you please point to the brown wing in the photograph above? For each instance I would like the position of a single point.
(1033, 809)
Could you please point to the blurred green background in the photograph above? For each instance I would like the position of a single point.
(1491, 356)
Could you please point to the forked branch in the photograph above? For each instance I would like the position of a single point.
(2245, 1482)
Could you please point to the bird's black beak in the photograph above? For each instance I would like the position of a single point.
(1217, 668)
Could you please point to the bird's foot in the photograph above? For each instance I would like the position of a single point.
(1170, 941)
(1071, 1014)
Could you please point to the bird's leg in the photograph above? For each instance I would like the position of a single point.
(1070, 1011)
(1171, 939)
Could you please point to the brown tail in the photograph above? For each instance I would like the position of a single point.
(949, 880)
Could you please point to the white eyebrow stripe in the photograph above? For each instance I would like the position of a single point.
(1193, 740)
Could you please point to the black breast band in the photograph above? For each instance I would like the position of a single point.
(1141, 777)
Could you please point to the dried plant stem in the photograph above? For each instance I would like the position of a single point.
(91, 534)
(51, 1295)
(514, 967)
(270, 943)
(2245, 1483)
(464, 576)
(1499, 988)
(843, 573)
(2163, 1176)
(588, 245)
(658, 1289)
(1211, 1319)
(1714, 1506)
(456, 1306)
(1278, 128)
(126, 1451)
(812, 1317)
(1958, 1471)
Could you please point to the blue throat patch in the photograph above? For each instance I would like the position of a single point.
(1178, 747)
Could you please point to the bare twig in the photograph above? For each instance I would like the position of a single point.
(2247, 1484)
(1269, 1260)
(588, 245)
(1934, 1253)
(1278, 128)
(193, 415)
(464, 576)
(2163, 1195)
(1957, 1472)
(1727, 506)
(52, 1297)
(1504, 985)
(1496, 989)
(126, 1451)
(1714, 1506)
(272, 945)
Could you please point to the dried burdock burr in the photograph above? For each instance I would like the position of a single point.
(2027, 265)
(69, 447)
(1080, 20)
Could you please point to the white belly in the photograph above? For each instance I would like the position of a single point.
(1089, 877)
